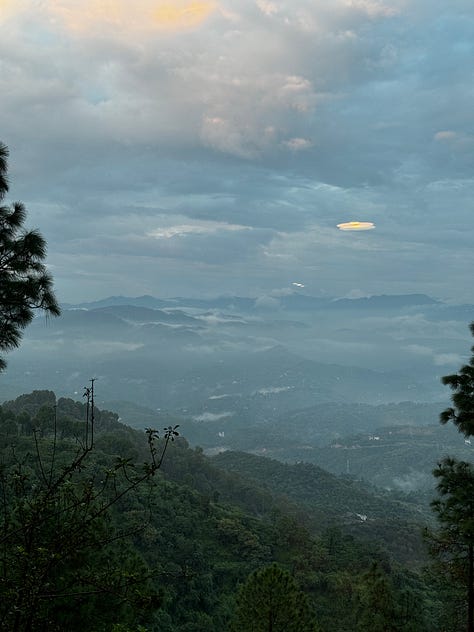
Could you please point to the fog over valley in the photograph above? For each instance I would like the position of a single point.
(289, 378)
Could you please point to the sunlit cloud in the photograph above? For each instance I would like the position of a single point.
(356, 226)
(123, 15)
(5, 5)
(182, 15)
(373, 9)
(9, 8)
(268, 8)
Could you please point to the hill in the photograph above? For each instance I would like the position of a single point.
(190, 538)
(171, 353)
(328, 500)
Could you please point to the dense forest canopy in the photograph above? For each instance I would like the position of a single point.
(172, 555)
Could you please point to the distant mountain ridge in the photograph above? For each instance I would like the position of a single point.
(302, 309)
(386, 301)
(239, 355)
(294, 300)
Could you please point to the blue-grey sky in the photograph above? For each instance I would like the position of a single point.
(212, 146)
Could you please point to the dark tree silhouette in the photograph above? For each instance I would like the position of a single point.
(3, 170)
(454, 542)
(25, 284)
(462, 383)
(66, 560)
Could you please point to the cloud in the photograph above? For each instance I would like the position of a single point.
(419, 350)
(298, 144)
(86, 16)
(281, 117)
(203, 228)
(438, 359)
(130, 88)
(267, 302)
(445, 135)
(452, 359)
(355, 293)
(206, 417)
(373, 9)
(356, 226)
(273, 390)
(8, 8)
(173, 15)
(268, 8)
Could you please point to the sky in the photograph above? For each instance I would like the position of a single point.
(209, 147)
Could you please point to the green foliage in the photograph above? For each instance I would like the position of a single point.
(376, 604)
(270, 601)
(325, 500)
(25, 284)
(381, 606)
(64, 560)
(453, 543)
(171, 554)
(462, 383)
(455, 508)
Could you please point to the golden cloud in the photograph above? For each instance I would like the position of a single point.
(124, 15)
(7, 8)
(356, 226)
(182, 14)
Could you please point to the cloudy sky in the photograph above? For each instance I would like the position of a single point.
(203, 147)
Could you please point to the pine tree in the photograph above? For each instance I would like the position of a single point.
(3, 170)
(270, 601)
(376, 603)
(25, 284)
(462, 383)
(454, 542)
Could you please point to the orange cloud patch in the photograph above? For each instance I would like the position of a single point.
(124, 15)
(7, 8)
(182, 14)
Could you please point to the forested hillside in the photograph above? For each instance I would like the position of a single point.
(171, 552)
(367, 512)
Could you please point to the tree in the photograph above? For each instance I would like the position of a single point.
(453, 544)
(25, 284)
(67, 560)
(3, 170)
(462, 383)
(381, 607)
(376, 604)
(270, 601)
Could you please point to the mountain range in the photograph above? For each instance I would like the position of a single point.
(243, 373)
